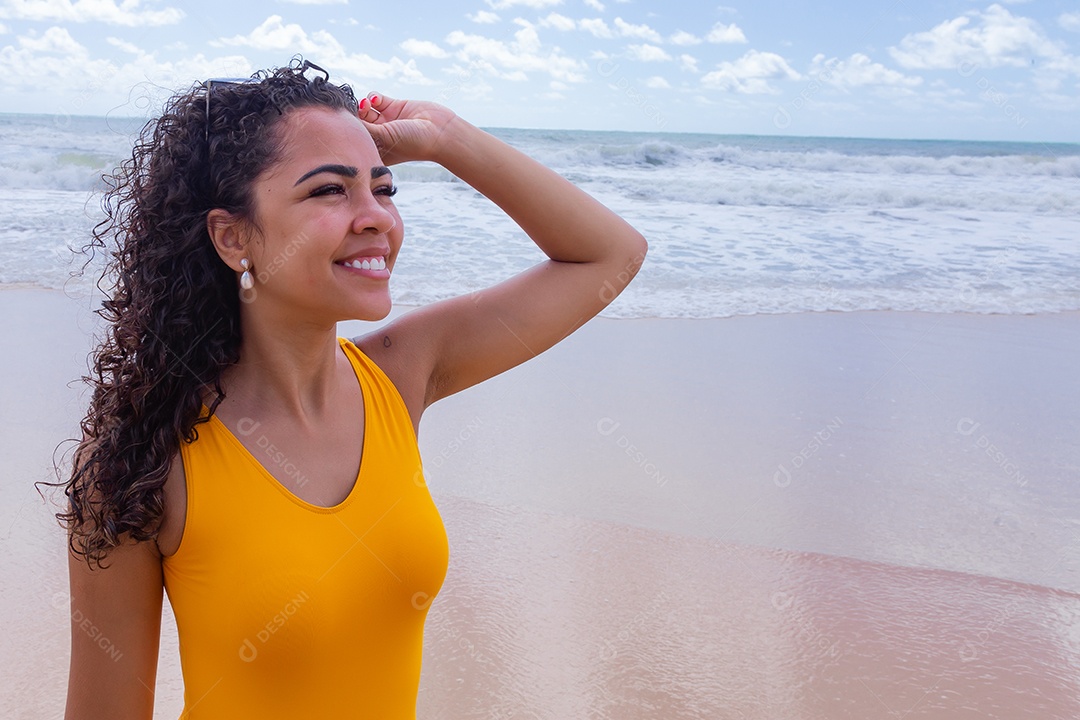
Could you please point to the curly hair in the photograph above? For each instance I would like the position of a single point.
(173, 306)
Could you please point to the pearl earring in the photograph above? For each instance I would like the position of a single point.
(246, 280)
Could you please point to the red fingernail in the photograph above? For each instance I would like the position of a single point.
(363, 104)
(374, 99)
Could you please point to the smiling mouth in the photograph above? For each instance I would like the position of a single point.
(366, 263)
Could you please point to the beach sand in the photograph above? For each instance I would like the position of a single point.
(789, 516)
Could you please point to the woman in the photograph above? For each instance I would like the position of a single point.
(242, 457)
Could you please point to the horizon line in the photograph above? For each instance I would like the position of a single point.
(144, 120)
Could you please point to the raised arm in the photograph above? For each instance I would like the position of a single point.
(593, 253)
(115, 632)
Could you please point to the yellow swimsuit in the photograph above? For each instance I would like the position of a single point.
(291, 610)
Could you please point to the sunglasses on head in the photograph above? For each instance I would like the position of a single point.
(209, 84)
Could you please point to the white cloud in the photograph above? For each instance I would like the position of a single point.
(1065, 64)
(483, 17)
(423, 48)
(106, 11)
(273, 34)
(1070, 21)
(124, 46)
(597, 27)
(994, 38)
(657, 82)
(361, 65)
(688, 62)
(722, 33)
(637, 31)
(3, 29)
(750, 74)
(56, 61)
(55, 40)
(67, 80)
(595, 5)
(466, 82)
(991, 39)
(511, 61)
(535, 4)
(559, 22)
(857, 71)
(648, 53)
(684, 38)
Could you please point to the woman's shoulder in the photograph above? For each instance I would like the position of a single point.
(174, 514)
(403, 361)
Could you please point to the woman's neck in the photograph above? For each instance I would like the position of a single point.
(284, 369)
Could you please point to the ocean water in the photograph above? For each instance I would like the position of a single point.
(738, 225)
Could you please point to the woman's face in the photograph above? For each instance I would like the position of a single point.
(324, 211)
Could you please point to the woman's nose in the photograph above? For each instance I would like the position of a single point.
(373, 216)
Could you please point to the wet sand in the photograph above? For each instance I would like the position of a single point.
(920, 440)
(804, 516)
(548, 616)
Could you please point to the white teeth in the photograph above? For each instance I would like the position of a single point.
(377, 263)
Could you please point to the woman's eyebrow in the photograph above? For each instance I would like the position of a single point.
(346, 170)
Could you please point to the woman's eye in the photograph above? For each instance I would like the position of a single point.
(387, 190)
(331, 189)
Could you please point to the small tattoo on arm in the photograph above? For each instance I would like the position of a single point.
(386, 341)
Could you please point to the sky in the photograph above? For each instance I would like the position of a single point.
(876, 68)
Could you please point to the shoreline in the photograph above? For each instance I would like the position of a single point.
(402, 308)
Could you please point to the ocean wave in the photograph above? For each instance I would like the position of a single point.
(650, 153)
(71, 171)
(795, 190)
(658, 153)
(825, 161)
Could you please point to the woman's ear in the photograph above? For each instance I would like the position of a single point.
(227, 232)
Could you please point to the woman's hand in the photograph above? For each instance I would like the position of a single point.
(405, 130)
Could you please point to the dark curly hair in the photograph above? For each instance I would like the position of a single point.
(173, 306)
